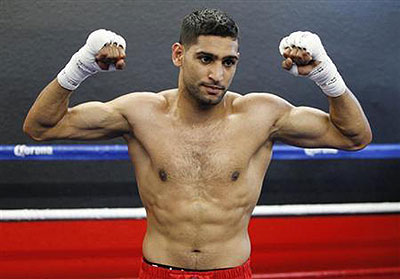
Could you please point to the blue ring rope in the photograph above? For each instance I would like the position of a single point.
(85, 152)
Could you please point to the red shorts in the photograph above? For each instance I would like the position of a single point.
(148, 271)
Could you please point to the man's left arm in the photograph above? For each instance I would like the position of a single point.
(345, 127)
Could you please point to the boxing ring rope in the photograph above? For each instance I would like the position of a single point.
(140, 213)
(120, 152)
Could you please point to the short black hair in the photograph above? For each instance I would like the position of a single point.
(207, 22)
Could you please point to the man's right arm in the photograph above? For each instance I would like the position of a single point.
(50, 118)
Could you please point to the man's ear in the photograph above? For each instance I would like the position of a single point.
(177, 54)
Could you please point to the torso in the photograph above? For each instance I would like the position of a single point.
(198, 183)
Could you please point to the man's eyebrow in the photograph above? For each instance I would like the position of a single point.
(216, 56)
(231, 57)
(206, 54)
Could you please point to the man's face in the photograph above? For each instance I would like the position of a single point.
(208, 68)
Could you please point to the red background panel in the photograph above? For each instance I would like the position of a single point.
(325, 243)
(284, 247)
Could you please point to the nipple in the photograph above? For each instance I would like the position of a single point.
(235, 175)
(163, 175)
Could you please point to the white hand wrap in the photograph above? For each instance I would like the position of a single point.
(325, 75)
(83, 63)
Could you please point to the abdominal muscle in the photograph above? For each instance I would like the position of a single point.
(197, 234)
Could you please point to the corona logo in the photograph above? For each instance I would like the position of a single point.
(23, 150)
(314, 151)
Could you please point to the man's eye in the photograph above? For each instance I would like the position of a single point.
(205, 59)
(229, 63)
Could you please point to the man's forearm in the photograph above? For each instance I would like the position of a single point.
(348, 116)
(49, 108)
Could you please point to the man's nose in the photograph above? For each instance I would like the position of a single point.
(216, 73)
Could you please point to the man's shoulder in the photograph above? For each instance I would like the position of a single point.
(142, 99)
(256, 100)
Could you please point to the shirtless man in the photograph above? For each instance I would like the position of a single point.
(200, 151)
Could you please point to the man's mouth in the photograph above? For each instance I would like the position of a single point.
(213, 89)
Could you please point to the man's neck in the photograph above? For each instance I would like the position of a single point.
(191, 112)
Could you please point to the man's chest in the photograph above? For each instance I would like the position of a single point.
(219, 151)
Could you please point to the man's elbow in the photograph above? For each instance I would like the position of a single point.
(32, 132)
(361, 141)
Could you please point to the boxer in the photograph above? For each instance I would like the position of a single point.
(200, 151)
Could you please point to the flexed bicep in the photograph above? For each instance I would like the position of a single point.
(89, 121)
(309, 127)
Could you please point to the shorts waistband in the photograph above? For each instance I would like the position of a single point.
(166, 272)
(179, 268)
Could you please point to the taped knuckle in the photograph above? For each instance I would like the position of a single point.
(98, 39)
(313, 45)
(283, 45)
(120, 41)
(103, 38)
(303, 40)
(293, 38)
(300, 48)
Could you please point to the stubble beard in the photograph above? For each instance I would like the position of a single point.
(194, 92)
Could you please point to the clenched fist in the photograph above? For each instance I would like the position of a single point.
(305, 55)
(104, 51)
(111, 54)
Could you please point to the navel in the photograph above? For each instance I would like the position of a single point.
(235, 175)
(163, 175)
